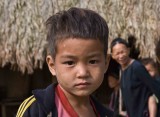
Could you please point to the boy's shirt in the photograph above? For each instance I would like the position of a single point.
(43, 104)
(61, 110)
(64, 108)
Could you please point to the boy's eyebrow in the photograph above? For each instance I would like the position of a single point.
(94, 55)
(68, 56)
(88, 56)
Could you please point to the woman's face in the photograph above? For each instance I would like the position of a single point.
(120, 53)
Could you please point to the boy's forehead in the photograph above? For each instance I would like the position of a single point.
(73, 55)
(78, 45)
(73, 41)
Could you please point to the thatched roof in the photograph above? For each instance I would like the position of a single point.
(22, 32)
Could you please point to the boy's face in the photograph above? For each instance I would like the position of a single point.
(79, 66)
(151, 69)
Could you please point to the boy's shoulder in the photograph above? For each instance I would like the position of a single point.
(40, 103)
(25, 105)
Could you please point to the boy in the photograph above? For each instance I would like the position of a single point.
(77, 49)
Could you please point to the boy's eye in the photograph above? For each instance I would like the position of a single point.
(93, 61)
(68, 62)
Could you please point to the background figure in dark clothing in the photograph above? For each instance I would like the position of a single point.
(136, 83)
(152, 68)
(114, 83)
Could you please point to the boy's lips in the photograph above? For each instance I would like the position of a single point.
(81, 85)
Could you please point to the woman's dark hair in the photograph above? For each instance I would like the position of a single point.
(119, 41)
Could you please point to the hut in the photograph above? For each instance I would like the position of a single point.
(23, 44)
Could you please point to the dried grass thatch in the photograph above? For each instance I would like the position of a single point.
(22, 32)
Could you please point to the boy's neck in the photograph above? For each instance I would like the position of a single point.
(77, 101)
(82, 105)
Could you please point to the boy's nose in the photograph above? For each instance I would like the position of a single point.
(82, 71)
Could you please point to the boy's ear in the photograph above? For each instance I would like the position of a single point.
(108, 58)
(51, 64)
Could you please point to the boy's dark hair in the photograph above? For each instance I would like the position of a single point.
(146, 61)
(119, 41)
(76, 23)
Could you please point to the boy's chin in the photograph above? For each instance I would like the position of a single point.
(84, 94)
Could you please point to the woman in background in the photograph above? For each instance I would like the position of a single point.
(136, 83)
